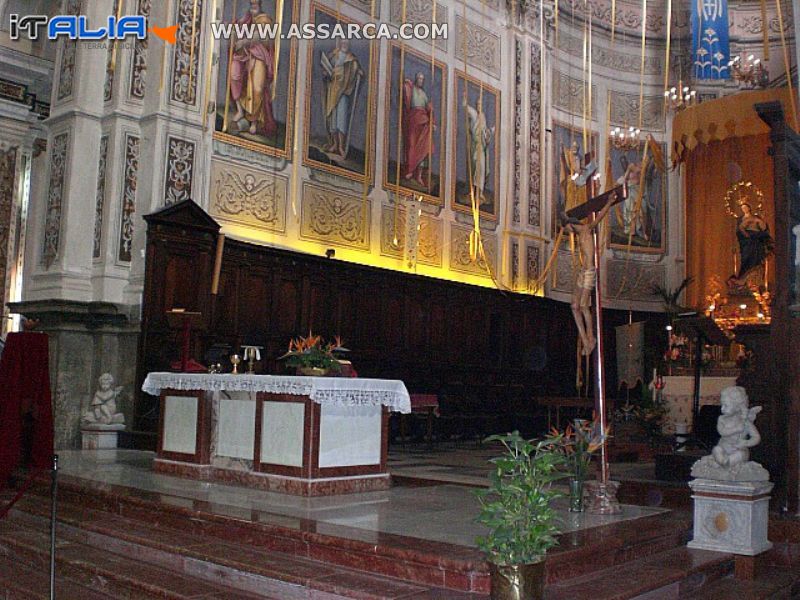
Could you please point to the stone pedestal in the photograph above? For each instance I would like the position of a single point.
(731, 516)
(100, 437)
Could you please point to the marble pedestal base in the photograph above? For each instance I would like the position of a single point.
(731, 516)
(295, 486)
(100, 437)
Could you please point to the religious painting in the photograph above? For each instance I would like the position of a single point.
(573, 165)
(639, 223)
(476, 153)
(415, 132)
(255, 84)
(339, 117)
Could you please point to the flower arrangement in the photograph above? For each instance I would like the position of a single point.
(678, 348)
(580, 440)
(312, 352)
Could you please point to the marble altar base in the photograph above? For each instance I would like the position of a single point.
(100, 437)
(731, 516)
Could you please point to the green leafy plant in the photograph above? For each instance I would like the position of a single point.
(517, 506)
(670, 297)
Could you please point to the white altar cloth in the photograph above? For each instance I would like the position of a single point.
(678, 395)
(342, 391)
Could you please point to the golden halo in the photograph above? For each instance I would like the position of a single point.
(743, 192)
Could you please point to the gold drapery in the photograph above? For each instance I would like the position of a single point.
(729, 117)
(710, 232)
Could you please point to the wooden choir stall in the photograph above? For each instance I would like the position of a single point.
(308, 436)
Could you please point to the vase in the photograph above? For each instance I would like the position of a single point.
(517, 582)
(575, 495)
(312, 371)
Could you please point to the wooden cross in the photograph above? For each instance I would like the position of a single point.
(596, 204)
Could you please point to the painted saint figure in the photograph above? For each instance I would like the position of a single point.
(755, 244)
(342, 75)
(633, 219)
(418, 126)
(479, 138)
(252, 75)
(586, 278)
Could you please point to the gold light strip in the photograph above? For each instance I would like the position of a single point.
(430, 129)
(368, 136)
(787, 64)
(583, 78)
(279, 21)
(668, 56)
(765, 28)
(613, 22)
(209, 67)
(192, 45)
(403, 14)
(230, 64)
(114, 43)
(641, 70)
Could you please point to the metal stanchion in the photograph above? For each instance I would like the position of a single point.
(53, 498)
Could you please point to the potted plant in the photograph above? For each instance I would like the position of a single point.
(517, 509)
(580, 441)
(311, 356)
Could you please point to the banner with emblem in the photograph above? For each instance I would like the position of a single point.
(710, 39)
(630, 354)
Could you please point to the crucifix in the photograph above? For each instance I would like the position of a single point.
(584, 221)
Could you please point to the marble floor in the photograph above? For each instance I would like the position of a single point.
(442, 512)
(469, 464)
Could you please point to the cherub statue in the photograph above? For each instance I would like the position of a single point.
(103, 410)
(730, 458)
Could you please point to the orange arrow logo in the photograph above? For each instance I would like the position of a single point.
(168, 34)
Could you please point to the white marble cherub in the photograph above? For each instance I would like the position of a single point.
(730, 458)
(103, 410)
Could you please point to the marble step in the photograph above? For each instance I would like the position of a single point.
(202, 558)
(90, 572)
(20, 582)
(770, 584)
(667, 575)
(411, 560)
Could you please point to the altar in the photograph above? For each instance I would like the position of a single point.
(678, 394)
(307, 436)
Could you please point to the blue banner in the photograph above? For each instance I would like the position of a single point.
(710, 44)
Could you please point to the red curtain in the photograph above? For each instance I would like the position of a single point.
(25, 390)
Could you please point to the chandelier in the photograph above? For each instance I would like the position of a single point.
(749, 72)
(680, 97)
(625, 139)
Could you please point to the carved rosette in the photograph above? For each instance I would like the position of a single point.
(429, 236)
(252, 198)
(139, 56)
(111, 57)
(482, 47)
(100, 197)
(535, 138)
(55, 199)
(8, 166)
(533, 267)
(518, 45)
(460, 259)
(514, 264)
(633, 281)
(335, 217)
(625, 111)
(614, 60)
(179, 170)
(418, 11)
(66, 70)
(568, 94)
(186, 52)
(128, 208)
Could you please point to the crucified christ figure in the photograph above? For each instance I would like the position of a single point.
(587, 273)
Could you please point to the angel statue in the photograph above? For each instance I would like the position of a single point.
(755, 243)
(103, 410)
(730, 458)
